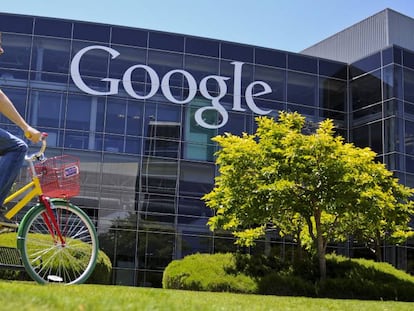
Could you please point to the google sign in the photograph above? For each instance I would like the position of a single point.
(164, 84)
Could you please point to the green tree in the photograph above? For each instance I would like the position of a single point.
(312, 186)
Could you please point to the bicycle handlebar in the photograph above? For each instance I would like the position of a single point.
(40, 154)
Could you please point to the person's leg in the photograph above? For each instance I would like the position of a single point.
(12, 152)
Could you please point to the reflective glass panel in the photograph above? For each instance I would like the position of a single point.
(18, 97)
(409, 85)
(53, 27)
(237, 52)
(19, 24)
(85, 113)
(83, 140)
(270, 57)
(228, 69)
(47, 108)
(162, 62)
(302, 63)
(155, 251)
(91, 32)
(369, 113)
(127, 58)
(120, 173)
(51, 55)
(164, 41)
(409, 164)
(200, 67)
(365, 65)
(409, 137)
(199, 243)
(94, 63)
(133, 145)
(202, 47)
(114, 143)
(387, 56)
(392, 82)
(392, 131)
(408, 59)
(301, 89)
(16, 52)
(128, 36)
(333, 69)
(196, 179)
(134, 119)
(366, 90)
(115, 120)
(159, 175)
(332, 94)
(157, 208)
(360, 136)
(275, 78)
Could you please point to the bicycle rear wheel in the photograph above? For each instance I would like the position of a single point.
(45, 257)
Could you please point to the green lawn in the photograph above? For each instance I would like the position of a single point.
(30, 296)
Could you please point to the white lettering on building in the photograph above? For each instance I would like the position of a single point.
(166, 89)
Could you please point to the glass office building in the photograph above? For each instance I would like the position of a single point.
(139, 108)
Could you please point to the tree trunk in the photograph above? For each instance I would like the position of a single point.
(321, 256)
(378, 252)
(320, 246)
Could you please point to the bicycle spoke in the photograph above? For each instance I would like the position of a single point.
(69, 258)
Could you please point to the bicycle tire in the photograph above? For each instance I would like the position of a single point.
(45, 258)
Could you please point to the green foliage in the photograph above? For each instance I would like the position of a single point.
(286, 285)
(207, 273)
(100, 275)
(366, 279)
(313, 187)
(103, 270)
(348, 278)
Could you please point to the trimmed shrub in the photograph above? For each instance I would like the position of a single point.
(347, 278)
(285, 285)
(206, 272)
(103, 270)
(365, 279)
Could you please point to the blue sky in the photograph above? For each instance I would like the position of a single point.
(290, 25)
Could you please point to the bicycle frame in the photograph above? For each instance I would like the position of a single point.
(56, 240)
(33, 189)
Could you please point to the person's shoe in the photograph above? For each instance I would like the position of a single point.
(6, 223)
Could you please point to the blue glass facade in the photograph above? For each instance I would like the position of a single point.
(382, 108)
(140, 107)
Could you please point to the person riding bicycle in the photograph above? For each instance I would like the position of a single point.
(12, 150)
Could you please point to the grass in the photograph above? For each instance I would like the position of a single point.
(29, 296)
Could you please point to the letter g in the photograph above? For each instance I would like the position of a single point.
(77, 79)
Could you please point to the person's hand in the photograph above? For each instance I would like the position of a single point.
(34, 135)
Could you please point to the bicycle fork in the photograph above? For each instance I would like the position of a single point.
(51, 221)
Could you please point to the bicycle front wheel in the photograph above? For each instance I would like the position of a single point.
(48, 258)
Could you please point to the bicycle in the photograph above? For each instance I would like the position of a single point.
(56, 240)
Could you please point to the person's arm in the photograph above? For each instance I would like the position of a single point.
(9, 111)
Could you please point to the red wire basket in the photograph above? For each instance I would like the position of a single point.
(59, 176)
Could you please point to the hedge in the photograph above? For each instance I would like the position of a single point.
(347, 278)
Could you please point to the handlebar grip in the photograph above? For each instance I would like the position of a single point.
(29, 136)
(39, 154)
